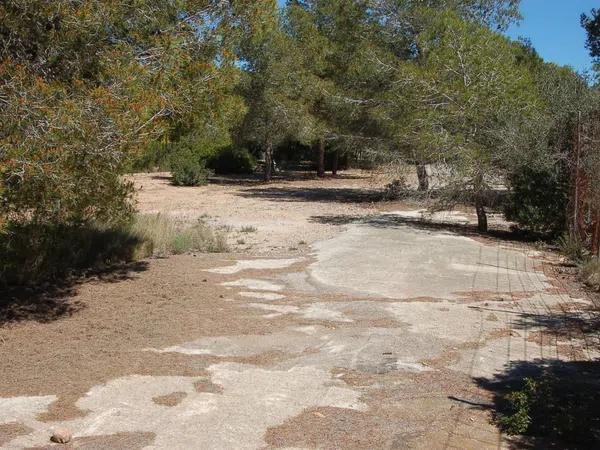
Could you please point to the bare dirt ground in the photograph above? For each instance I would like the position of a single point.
(288, 213)
(337, 322)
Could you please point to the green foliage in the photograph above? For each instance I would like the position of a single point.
(233, 160)
(85, 87)
(591, 24)
(34, 253)
(154, 158)
(517, 420)
(538, 199)
(92, 89)
(470, 107)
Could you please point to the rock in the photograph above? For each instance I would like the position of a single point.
(61, 436)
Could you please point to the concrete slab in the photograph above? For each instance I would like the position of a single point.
(428, 216)
(397, 261)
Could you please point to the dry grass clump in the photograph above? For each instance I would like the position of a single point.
(590, 271)
(248, 229)
(169, 237)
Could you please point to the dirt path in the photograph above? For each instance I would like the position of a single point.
(335, 325)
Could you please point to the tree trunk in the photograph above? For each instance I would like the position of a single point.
(482, 222)
(579, 188)
(321, 158)
(336, 159)
(423, 177)
(268, 173)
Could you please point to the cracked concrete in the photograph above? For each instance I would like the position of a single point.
(126, 404)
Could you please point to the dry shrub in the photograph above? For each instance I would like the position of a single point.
(590, 271)
(169, 237)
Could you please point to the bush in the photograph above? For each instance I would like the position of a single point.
(396, 190)
(519, 405)
(538, 200)
(34, 253)
(187, 161)
(188, 172)
(233, 160)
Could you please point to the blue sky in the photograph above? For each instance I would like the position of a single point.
(553, 28)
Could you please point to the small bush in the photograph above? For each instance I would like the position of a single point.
(248, 229)
(33, 253)
(590, 272)
(167, 237)
(396, 190)
(188, 159)
(518, 417)
(538, 200)
(233, 160)
(557, 404)
(187, 170)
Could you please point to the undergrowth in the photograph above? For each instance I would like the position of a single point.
(169, 237)
(558, 406)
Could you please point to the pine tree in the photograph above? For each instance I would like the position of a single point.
(274, 88)
(472, 106)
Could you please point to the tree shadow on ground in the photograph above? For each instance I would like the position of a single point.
(563, 403)
(582, 325)
(41, 265)
(279, 177)
(314, 194)
(161, 177)
(49, 301)
(395, 221)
